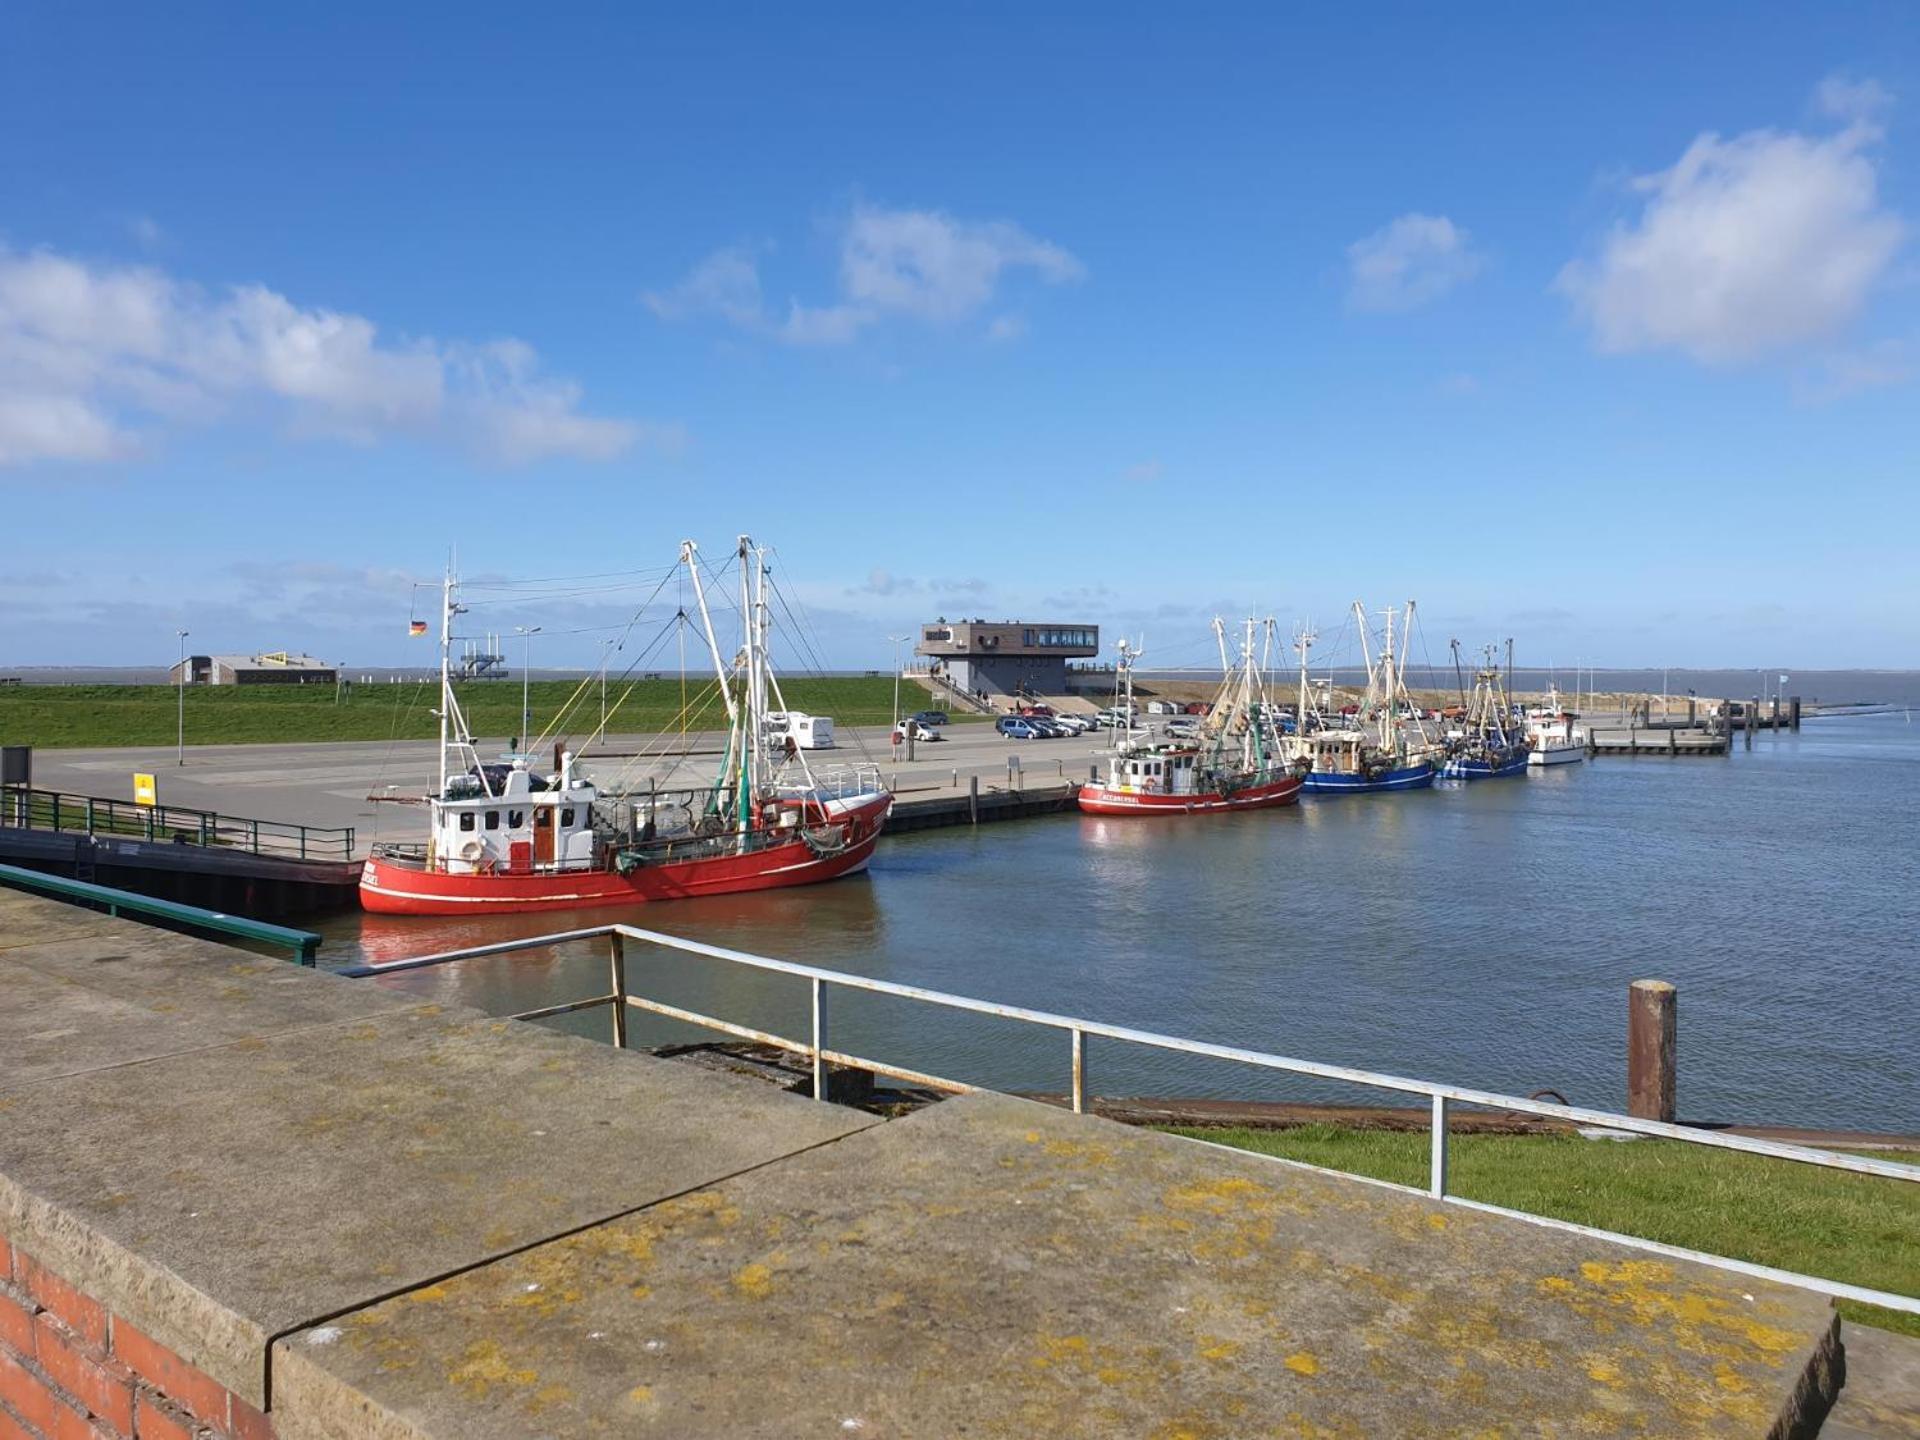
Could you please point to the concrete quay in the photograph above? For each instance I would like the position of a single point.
(327, 784)
(267, 1200)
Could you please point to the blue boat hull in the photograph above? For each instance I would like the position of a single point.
(1406, 777)
(1514, 763)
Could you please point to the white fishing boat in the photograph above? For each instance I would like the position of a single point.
(1552, 736)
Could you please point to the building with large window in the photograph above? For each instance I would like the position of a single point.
(277, 667)
(1006, 657)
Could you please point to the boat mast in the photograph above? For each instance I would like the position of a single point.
(1387, 726)
(446, 668)
(1303, 643)
(689, 556)
(750, 737)
(1366, 651)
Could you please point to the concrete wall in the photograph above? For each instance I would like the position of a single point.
(1006, 674)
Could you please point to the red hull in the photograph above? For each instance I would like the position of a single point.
(391, 888)
(1097, 799)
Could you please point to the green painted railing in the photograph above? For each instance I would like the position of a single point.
(303, 944)
(28, 809)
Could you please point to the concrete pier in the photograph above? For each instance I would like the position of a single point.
(323, 1209)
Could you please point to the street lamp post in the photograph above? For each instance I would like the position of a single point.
(607, 647)
(180, 745)
(898, 641)
(526, 674)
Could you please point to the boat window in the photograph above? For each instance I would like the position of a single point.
(466, 819)
(493, 819)
(516, 818)
(566, 816)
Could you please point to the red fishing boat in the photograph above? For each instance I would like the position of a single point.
(1230, 764)
(502, 837)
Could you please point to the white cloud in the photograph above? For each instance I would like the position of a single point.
(91, 356)
(922, 265)
(1409, 262)
(1003, 328)
(726, 283)
(1145, 473)
(1854, 101)
(1846, 372)
(1761, 243)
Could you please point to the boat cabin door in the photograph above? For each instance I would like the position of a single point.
(544, 817)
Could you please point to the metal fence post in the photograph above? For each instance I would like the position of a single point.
(1079, 1071)
(617, 957)
(819, 1038)
(89, 815)
(1437, 1163)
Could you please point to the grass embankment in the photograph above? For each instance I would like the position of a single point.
(1853, 1228)
(69, 716)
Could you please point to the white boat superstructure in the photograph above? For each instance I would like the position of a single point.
(1552, 737)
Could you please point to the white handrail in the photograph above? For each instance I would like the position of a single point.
(1440, 1096)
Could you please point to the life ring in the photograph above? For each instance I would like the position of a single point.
(472, 850)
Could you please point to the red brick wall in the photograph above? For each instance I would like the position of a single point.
(72, 1370)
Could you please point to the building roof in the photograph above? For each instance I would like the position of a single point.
(270, 660)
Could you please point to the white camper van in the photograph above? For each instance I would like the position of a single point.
(808, 732)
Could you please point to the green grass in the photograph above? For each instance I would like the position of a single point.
(67, 716)
(1858, 1229)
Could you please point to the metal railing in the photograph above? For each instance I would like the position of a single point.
(1079, 1032)
(28, 809)
(304, 945)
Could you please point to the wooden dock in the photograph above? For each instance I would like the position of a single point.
(973, 806)
(1657, 740)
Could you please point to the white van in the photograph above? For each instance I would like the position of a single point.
(808, 732)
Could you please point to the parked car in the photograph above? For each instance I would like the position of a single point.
(1199, 707)
(929, 717)
(1036, 708)
(1048, 727)
(913, 727)
(1182, 729)
(1073, 724)
(1014, 728)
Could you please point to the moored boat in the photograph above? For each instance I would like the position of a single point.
(503, 837)
(1490, 744)
(1231, 765)
(1552, 737)
(1378, 748)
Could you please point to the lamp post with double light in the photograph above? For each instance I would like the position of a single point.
(180, 743)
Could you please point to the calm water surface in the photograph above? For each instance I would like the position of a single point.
(1480, 934)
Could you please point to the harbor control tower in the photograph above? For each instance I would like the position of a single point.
(1007, 657)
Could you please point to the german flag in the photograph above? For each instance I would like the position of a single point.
(416, 627)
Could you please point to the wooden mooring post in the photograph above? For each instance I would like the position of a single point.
(973, 799)
(1793, 713)
(1652, 1015)
(1753, 719)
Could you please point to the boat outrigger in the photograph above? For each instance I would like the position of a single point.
(1231, 765)
(502, 837)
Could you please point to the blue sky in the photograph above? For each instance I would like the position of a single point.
(1600, 329)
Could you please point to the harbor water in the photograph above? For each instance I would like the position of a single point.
(1481, 933)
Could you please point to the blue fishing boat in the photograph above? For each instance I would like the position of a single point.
(1382, 746)
(1491, 742)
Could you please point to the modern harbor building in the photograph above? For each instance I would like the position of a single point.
(1006, 657)
(276, 667)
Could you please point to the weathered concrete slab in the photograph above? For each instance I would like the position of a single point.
(992, 1267)
(224, 1196)
(124, 992)
(28, 920)
(1881, 1399)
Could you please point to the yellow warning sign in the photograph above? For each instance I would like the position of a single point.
(143, 793)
